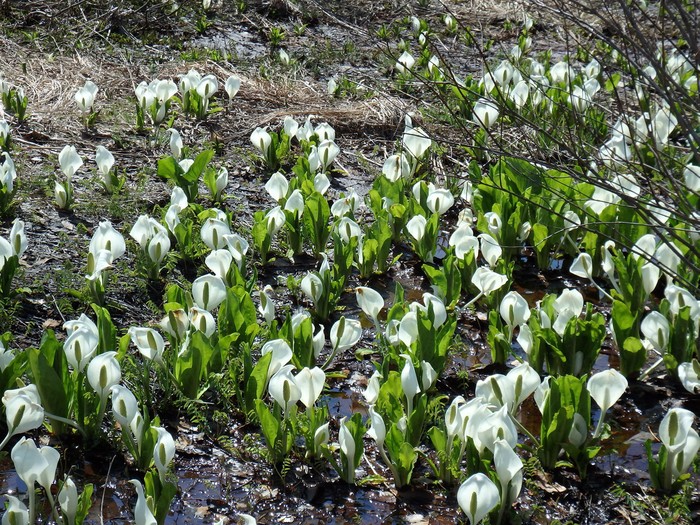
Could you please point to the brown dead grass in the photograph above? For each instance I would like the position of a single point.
(50, 83)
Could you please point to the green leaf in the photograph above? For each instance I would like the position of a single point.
(633, 355)
(200, 162)
(257, 381)
(84, 503)
(316, 221)
(268, 423)
(106, 330)
(49, 370)
(168, 168)
(237, 314)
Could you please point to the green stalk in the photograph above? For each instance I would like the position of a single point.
(330, 357)
(668, 472)
(81, 400)
(475, 299)
(54, 512)
(101, 413)
(650, 369)
(147, 383)
(69, 422)
(7, 438)
(389, 464)
(32, 505)
(524, 430)
(599, 426)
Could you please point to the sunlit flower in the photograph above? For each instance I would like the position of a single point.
(310, 382)
(477, 496)
(656, 330)
(485, 113)
(149, 343)
(405, 62)
(409, 382)
(370, 301)
(514, 309)
(163, 452)
(208, 291)
(345, 333)
(103, 372)
(232, 85)
(142, 513)
(69, 160)
(689, 374)
(261, 139)
(23, 410)
(85, 96)
(416, 142)
(124, 405)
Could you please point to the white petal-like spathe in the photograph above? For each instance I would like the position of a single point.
(232, 85)
(23, 409)
(69, 160)
(409, 382)
(103, 373)
(312, 286)
(485, 113)
(284, 389)
(416, 227)
(440, 200)
(124, 405)
(214, 233)
(689, 374)
(525, 381)
(488, 281)
(396, 167)
(142, 513)
(281, 355)
(277, 186)
(582, 266)
(477, 496)
(674, 428)
(104, 160)
(208, 291)
(656, 329)
(377, 430)
(163, 452)
(514, 309)
(606, 388)
(261, 139)
(490, 249)
(345, 333)
(107, 238)
(370, 301)
(149, 343)
(416, 142)
(310, 382)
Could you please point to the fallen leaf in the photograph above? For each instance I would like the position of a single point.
(51, 323)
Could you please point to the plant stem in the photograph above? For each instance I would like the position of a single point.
(599, 426)
(475, 299)
(69, 422)
(398, 482)
(650, 369)
(54, 512)
(32, 505)
(524, 430)
(330, 358)
(7, 438)
(668, 472)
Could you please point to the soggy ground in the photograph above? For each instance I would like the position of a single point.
(52, 47)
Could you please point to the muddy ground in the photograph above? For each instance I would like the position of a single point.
(52, 47)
